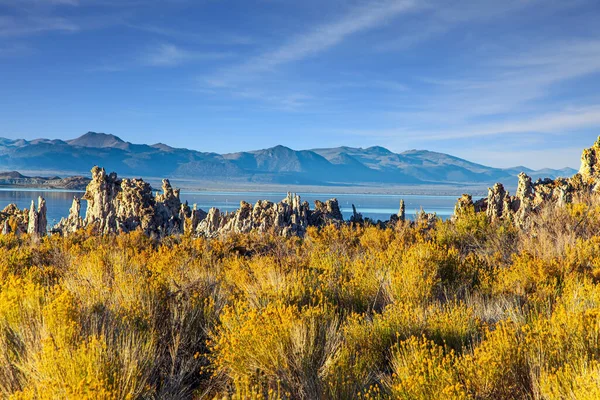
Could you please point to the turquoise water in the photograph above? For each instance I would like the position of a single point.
(375, 206)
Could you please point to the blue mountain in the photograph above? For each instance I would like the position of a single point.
(277, 165)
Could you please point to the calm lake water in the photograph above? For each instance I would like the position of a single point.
(375, 206)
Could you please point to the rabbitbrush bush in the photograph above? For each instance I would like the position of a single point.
(464, 310)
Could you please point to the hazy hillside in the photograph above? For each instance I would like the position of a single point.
(279, 164)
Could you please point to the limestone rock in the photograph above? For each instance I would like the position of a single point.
(356, 217)
(396, 218)
(32, 224)
(37, 223)
(191, 222)
(402, 211)
(124, 205)
(424, 219)
(531, 197)
(32, 221)
(590, 163)
(169, 214)
(73, 222)
(289, 217)
(522, 205)
(496, 202)
(463, 204)
(15, 220)
(325, 213)
(6, 228)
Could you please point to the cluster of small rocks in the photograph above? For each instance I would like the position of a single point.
(530, 196)
(32, 221)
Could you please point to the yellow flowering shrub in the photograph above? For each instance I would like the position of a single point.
(424, 370)
(572, 381)
(497, 367)
(461, 309)
(423, 269)
(277, 345)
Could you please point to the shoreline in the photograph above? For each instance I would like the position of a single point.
(268, 189)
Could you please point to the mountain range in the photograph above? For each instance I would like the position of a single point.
(276, 165)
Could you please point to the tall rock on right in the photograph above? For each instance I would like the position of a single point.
(590, 164)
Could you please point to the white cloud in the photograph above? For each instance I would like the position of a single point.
(372, 15)
(555, 122)
(365, 83)
(507, 86)
(559, 122)
(536, 159)
(40, 2)
(203, 37)
(170, 55)
(17, 26)
(441, 16)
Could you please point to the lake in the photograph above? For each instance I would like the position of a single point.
(375, 206)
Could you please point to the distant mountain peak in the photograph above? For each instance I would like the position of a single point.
(378, 150)
(280, 147)
(97, 140)
(417, 151)
(275, 149)
(162, 146)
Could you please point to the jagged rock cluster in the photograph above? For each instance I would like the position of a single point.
(288, 217)
(531, 196)
(123, 205)
(32, 221)
(37, 223)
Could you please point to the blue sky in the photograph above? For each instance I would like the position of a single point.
(504, 83)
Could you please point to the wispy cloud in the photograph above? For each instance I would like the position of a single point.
(440, 16)
(247, 79)
(170, 55)
(566, 156)
(555, 122)
(317, 39)
(21, 3)
(17, 26)
(373, 84)
(504, 86)
(212, 37)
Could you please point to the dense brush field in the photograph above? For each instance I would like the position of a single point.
(466, 309)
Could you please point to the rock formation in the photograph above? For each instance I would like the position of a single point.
(590, 163)
(32, 221)
(73, 222)
(37, 223)
(356, 217)
(531, 196)
(463, 204)
(424, 219)
(6, 229)
(402, 211)
(288, 217)
(399, 217)
(14, 220)
(123, 205)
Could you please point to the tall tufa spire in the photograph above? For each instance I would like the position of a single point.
(402, 211)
